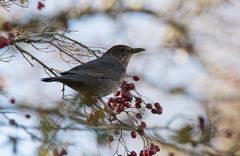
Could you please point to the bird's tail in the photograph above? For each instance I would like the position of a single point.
(50, 79)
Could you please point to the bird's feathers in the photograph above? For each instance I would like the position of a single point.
(99, 77)
(50, 79)
(102, 68)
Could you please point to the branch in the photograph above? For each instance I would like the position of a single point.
(22, 51)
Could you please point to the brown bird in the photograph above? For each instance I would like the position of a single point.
(99, 77)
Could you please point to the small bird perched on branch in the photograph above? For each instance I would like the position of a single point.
(99, 77)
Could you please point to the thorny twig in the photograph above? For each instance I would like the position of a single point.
(6, 4)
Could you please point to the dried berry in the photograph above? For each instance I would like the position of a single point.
(149, 106)
(4, 42)
(139, 115)
(40, 5)
(135, 78)
(28, 116)
(6, 26)
(133, 134)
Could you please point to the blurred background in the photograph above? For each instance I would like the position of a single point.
(191, 66)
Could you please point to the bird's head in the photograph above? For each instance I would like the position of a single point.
(122, 53)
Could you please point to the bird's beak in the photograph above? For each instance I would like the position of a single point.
(137, 50)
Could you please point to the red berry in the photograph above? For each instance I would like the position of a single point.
(138, 105)
(28, 116)
(12, 122)
(118, 109)
(144, 153)
(125, 88)
(139, 115)
(127, 96)
(138, 99)
(152, 151)
(157, 148)
(157, 105)
(109, 104)
(159, 110)
(124, 94)
(121, 107)
(149, 106)
(124, 82)
(40, 5)
(12, 101)
(126, 104)
(131, 86)
(143, 124)
(135, 78)
(111, 99)
(132, 153)
(114, 104)
(6, 26)
(154, 111)
(117, 93)
(119, 100)
(4, 41)
(133, 134)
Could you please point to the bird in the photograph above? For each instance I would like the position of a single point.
(99, 77)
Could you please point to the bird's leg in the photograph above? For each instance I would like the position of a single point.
(63, 94)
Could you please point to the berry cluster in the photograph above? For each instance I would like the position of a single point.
(124, 99)
(128, 101)
(152, 150)
(157, 109)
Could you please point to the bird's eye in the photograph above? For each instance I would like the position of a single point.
(122, 50)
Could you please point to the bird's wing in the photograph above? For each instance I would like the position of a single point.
(99, 68)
